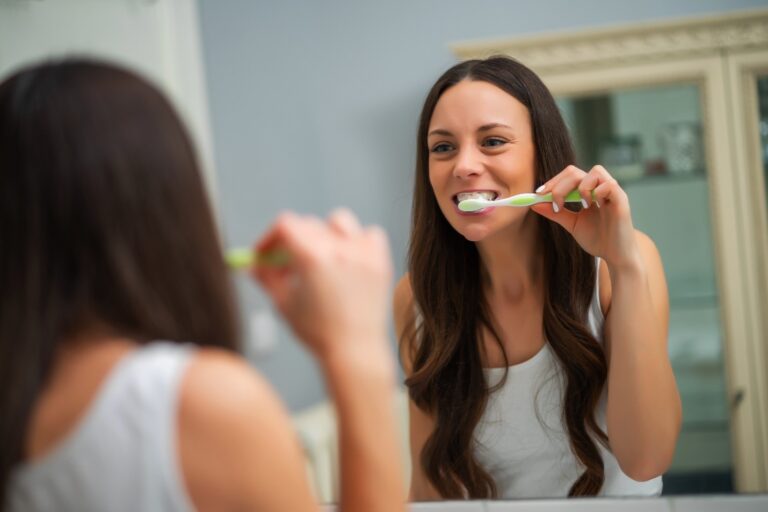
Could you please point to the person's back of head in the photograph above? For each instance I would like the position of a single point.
(104, 220)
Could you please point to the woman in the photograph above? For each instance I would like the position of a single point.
(120, 383)
(534, 340)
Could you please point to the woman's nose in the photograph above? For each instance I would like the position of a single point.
(468, 164)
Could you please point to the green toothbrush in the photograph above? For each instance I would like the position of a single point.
(527, 199)
(241, 257)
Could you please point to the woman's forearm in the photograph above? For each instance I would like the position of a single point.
(643, 410)
(363, 388)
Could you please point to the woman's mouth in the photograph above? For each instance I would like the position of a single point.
(487, 195)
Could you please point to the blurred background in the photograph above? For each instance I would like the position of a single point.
(307, 105)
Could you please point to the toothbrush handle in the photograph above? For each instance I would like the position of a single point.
(240, 258)
(572, 197)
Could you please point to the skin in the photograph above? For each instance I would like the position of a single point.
(236, 447)
(480, 138)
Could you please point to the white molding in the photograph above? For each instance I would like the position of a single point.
(601, 47)
(184, 78)
(159, 39)
(726, 193)
(743, 69)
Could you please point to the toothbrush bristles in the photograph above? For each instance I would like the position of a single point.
(472, 205)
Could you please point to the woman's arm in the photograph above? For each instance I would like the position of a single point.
(238, 450)
(420, 423)
(643, 412)
(362, 386)
(334, 294)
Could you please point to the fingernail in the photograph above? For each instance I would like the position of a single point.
(540, 189)
(584, 203)
(555, 208)
(597, 203)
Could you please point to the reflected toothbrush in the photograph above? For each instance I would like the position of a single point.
(526, 199)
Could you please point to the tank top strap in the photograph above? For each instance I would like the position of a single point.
(123, 453)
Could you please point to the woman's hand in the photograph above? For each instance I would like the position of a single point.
(335, 295)
(603, 227)
(335, 291)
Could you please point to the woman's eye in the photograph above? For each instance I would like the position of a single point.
(494, 142)
(442, 147)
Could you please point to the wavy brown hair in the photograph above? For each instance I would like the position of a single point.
(447, 380)
(103, 218)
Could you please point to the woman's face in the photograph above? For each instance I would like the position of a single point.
(480, 141)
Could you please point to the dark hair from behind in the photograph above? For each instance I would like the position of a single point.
(447, 282)
(104, 219)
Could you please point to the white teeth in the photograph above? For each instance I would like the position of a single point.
(487, 195)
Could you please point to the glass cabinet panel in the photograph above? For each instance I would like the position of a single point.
(650, 139)
(762, 105)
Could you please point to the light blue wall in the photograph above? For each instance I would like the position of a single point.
(314, 104)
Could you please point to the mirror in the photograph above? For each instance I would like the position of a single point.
(331, 119)
(315, 104)
(642, 99)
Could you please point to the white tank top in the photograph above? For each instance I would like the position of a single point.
(522, 440)
(122, 456)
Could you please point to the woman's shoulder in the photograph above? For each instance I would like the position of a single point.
(404, 314)
(230, 422)
(403, 297)
(604, 286)
(219, 394)
(221, 389)
(403, 305)
(651, 258)
(213, 373)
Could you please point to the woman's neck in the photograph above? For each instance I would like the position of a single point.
(89, 338)
(512, 261)
(81, 365)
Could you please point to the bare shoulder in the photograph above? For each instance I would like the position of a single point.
(235, 437)
(647, 248)
(403, 312)
(220, 385)
(657, 280)
(403, 295)
(403, 304)
(223, 369)
(652, 260)
(604, 280)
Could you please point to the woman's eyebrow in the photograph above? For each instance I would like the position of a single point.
(483, 128)
(491, 126)
(440, 131)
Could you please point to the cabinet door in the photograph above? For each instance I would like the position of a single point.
(651, 140)
(747, 78)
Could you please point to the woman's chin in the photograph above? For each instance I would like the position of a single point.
(475, 233)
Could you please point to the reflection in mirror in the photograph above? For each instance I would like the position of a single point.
(523, 318)
(651, 140)
(313, 126)
(670, 157)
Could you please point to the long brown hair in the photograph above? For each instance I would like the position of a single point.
(447, 380)
(103, 217)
